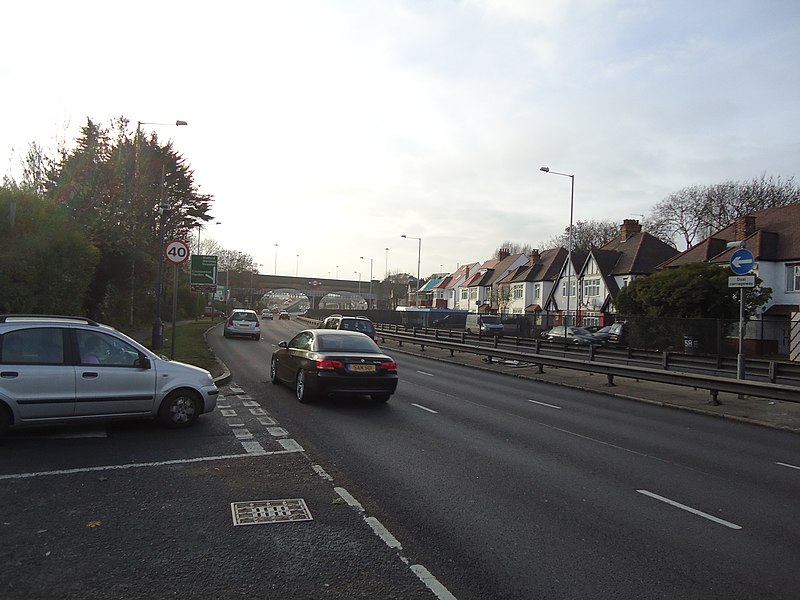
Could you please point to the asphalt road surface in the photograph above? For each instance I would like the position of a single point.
(506, 488)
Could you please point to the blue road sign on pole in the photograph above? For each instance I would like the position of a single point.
(742, 261)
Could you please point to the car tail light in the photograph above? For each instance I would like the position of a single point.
(329, 365)
(389, 366)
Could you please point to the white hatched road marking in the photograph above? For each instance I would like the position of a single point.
(277, 431)
(430, 410)
(694, 511)
(424, 373)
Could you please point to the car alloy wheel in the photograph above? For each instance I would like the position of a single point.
(273, 370)
(301, 387)
(179, 409)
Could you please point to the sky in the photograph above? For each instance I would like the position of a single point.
(333, 127)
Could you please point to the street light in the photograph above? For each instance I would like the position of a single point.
(199, 228)
(386, 275)
(163, 209)
(297, 265)
(569, 243)
(369, 304)
(250, 299)
(359, 285)
(276, 259)
(419, 254)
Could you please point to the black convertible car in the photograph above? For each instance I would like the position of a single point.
(321, 362)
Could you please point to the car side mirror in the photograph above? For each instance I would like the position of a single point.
(142, 362)
(283, 344)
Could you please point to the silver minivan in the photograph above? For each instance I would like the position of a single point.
(57, 370)
(484, 324)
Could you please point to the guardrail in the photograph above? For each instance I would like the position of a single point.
(587, 359)
(771, 371)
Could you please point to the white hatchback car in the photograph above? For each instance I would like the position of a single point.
(243, 322)
(57, 370)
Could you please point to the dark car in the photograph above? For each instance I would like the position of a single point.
(360, 324)
(283, 315)
(320, 362)
(573, 335)
(602, 333)
(210, 311)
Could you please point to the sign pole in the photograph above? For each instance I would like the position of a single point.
(740, 356)
(174, 308)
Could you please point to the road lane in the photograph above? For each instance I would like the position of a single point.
(503, 496)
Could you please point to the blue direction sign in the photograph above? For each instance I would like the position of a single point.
(742, 261)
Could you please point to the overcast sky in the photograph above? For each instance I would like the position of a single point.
(332, 127)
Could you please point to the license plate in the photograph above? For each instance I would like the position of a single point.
(363, 368)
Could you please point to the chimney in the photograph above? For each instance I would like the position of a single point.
(533, 258)
(503, 254)
(628, 228)
(744, 227)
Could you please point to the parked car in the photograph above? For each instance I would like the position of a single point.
(59, 370)
(573, 335)
(321, 362)
(602, 333)
(283, 315)
(243, 322)
(618, 334)
(360, 324)
(266, 314)
(210, 311)
(484, 324)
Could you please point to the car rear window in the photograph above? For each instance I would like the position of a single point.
(244, 317)
(333, 343)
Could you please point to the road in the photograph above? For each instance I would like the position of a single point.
(506, 488)
(466, 484)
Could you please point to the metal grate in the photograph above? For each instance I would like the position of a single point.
(259, 512)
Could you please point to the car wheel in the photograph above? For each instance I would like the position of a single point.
(5, 421)
(225, 334)
(273, 371)
(257, 337)
(381, 397)
(301, 387)
(180, 409)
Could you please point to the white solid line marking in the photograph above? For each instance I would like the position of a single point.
(788, 465)
(349, 499)
(432, 583)
(180, 461)
(544, 404)
(690, 509)
(430, 410)
(424, 373)
(383, 533)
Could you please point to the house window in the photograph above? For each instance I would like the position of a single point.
(473, 293)
(572, 287)
(518, 291)
(465, 293)
(537, 291)
(793, 278)
(591, 288)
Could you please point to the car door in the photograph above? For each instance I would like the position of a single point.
(109, 379)
(34, 375)
(296, 352)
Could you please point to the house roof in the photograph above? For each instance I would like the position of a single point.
(776, 237)
(640, 254)
(546, 268)
(489, 271)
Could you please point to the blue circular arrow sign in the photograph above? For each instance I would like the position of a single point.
(742, 261)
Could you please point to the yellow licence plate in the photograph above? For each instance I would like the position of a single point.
(363, 368)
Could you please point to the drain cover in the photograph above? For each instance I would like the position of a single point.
(259, 512)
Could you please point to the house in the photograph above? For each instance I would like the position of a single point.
(530, 284)
(598, 276)
(447, 293)
(483, 291)
(773, 236)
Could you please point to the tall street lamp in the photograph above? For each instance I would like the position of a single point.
(276, 259)
(370, 281)
(569, 243)
(419, 254)
(386, 275)
(158, 326)
(296, 265)
(359, 285)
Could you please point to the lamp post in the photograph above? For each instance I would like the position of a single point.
(386, 274)
(276, 259)
(569, 243)
(250, 299)
(359, 284)
(296, 264)
(369, 304)
(419, 255)
(163, 210)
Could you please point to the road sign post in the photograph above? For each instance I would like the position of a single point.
(176, 252)
(742, 262)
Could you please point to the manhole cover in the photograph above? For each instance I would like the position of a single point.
(270, 511)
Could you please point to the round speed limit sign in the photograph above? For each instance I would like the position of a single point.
(176, 252)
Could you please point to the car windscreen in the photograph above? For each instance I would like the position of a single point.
(340, 343)
(491, 320)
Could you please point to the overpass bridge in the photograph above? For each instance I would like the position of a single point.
(315, 289)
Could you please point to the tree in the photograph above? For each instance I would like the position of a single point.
(513, 248)
(698, 211)
(697, 290)
(585, 236)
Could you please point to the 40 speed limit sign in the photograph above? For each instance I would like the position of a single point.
(176, 252)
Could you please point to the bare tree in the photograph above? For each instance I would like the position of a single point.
(585, 236)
